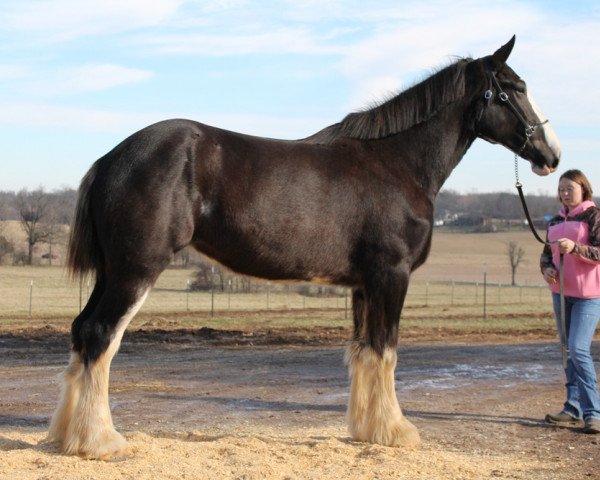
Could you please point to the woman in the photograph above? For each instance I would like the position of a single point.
(575, 233)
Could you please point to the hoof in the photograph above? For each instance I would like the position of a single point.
(401, 433)
(110, 446)
(405, 435)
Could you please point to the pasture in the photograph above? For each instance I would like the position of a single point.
(253, 386)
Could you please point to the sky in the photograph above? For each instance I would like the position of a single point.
(77, 77)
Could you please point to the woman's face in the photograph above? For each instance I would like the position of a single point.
(571, 193)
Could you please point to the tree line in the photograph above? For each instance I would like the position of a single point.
(500, 205)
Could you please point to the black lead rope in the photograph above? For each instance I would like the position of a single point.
(563, 324)
(527, 216)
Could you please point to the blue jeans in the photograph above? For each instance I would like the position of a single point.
(581, 316)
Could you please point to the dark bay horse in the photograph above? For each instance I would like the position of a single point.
(351, 205)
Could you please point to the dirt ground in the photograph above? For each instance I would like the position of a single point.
(208, 404)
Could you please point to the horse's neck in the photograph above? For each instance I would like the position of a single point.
(432, 150)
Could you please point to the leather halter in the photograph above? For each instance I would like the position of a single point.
(529, 128)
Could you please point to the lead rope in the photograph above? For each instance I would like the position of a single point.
(563, 323)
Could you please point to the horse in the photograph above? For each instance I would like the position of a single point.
(351, 205)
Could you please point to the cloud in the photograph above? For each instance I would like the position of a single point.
(78, 80)
(100, 77)
(13, 72)
(46, 115)
(61, 20)
(407, 50)
(295, 40)
(123, 123)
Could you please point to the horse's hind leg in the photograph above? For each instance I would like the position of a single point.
(71, 379)
(374, 414)
(83, 422)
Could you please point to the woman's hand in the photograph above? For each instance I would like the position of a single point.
(565, 245)
(550, 275)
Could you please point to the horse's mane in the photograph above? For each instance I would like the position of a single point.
(410, 107)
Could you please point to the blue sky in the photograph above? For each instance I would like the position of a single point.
(77, 77)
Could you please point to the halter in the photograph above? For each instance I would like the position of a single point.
(530, 128)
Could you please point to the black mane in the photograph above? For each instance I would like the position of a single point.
(410, 107)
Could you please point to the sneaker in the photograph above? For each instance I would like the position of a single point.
(592, 426)
(563, 418)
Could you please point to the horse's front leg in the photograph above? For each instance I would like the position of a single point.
(374, 414)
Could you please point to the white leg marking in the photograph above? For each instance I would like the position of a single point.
(83, 423)
(69, 398)
(374, 414)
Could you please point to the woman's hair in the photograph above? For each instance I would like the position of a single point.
(579, 178)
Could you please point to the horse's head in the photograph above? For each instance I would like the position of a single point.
(511, 117)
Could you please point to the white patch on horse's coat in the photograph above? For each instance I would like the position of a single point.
(374, 414)
(549, 134)
(82, 422)
(205, 208)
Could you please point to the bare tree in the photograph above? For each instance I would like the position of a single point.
(6, 247)
(33, 207)
(515, 255)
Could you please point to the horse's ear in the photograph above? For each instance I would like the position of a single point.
(501, 55)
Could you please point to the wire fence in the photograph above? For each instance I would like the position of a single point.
(56, 296)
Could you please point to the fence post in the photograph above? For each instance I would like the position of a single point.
(346, 305)
(229, 295)
(520, 294)
(484, 291)
(187, 295)
(212, 295)
(30, 296)
(452, 294)
(268, 292)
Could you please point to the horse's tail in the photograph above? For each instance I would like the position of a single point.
(84, 254)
